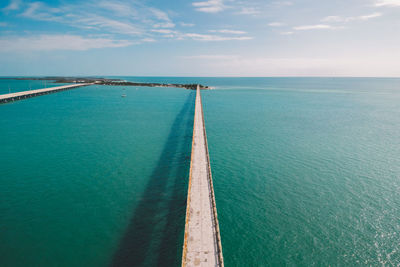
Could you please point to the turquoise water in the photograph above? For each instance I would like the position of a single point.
(91, 179)
(306, 172)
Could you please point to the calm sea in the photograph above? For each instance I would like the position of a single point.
(306, 172)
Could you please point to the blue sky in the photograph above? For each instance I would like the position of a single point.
(200, 38)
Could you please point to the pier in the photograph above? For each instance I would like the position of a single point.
(32, 93)
(202, 241)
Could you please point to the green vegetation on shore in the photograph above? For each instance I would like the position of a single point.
(113, 82)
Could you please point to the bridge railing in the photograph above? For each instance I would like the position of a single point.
(209, 177)
(188, 197)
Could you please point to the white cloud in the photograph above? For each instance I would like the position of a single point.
(31, 10)
(161, 15)
(13, 5)
(119, 8)
(164, 31)
(80, 19)
(58, 42)
(348, 19)
(332, 19)
(148, 40)
(39, 11)
(3, 24)
(389, 3)
(183, 24)
(212, 57)
(164, 25)
(283, 3)
(249, 11)
(210, 6)
(276, 24)
(109, 24)
(229, 31)
(314, 27)
(370, 16)
(287, 33)
(172, 36)
(115, 17)
(207, 37)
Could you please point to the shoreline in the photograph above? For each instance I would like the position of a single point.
(111, 82)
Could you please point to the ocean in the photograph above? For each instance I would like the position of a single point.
(306, 172)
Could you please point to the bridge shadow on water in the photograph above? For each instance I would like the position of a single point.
(154, 236)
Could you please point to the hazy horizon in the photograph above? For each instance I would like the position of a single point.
(189, 76)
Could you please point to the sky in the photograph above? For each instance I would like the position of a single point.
(200, 38)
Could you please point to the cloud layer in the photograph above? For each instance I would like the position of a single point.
(210, 6)
(132, 21)
(58, 42)
(389, 3)
(348, 19)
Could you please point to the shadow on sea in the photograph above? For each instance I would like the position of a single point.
(154, 236)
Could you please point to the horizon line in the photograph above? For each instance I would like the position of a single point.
(185, 76)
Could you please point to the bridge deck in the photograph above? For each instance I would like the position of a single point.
(202, 244)
(27, 94)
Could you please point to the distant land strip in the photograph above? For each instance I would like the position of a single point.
(112, 82)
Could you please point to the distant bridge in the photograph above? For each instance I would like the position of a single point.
(32, 93)
(202, 243)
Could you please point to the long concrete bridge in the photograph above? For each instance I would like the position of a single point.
(202, 243)
(32, 93)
